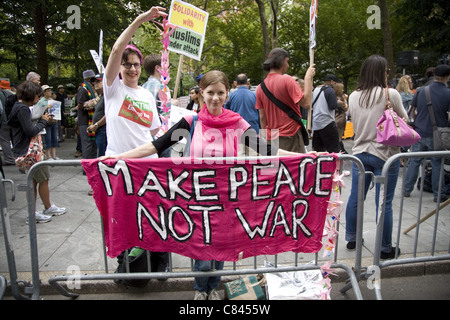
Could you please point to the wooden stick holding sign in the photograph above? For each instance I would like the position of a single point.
(312, 46)
(177, 81)
(311, 62)
(189, 37)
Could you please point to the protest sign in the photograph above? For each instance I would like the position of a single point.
(221, 211)
(189, 37)
(97, 60)
(55, 109)
(312, 24)
(177, 113)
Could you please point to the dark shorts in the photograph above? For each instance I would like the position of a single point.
(326, 139)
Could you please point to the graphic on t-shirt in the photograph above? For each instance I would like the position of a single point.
(136, 111)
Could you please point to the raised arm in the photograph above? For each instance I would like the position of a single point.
(307, 92)
(113, 66)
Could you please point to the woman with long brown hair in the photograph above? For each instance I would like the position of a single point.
(367, 105)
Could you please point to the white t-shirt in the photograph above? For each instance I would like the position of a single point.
(130, 116)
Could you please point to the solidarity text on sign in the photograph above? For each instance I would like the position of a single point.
(213, 211)
(188, 38)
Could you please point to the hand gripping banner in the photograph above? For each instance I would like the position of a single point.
(213, 210)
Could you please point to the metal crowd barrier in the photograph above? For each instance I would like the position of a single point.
(10, 257)
(354, 272)
(433, 255)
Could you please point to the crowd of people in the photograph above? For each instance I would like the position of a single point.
(110, 106)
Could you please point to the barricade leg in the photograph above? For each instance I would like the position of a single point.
(8, 241)
(359, 222)
(379, 231)
(2, 286)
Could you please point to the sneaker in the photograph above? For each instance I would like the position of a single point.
(389, 255)
(57, 158)
(443, 198)
(40, 218)
(54, 211)
(214, 295)
(200, 295)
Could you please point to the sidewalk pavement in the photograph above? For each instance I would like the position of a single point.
(74, 239)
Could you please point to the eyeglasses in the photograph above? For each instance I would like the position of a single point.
(128, 65)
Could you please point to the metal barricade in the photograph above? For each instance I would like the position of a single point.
(415, 256)
(353, 272)
(10, 257)
(2, 286)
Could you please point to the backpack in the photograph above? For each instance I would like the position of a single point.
(10, 101)
(7, 107)
(187, 148)
(138, 262)
(427, 184)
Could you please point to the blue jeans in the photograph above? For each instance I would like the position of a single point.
(100, 141)
(206, 284)
(51, 136)
(425, 144)
(375, 165)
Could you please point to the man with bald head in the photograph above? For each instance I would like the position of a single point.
(243, 101)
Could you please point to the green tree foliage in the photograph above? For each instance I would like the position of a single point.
(342, 36)
(34, 36)
(422, 25)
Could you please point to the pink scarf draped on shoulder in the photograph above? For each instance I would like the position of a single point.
(227, 120)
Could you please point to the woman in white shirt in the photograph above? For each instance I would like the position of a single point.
(130, 110)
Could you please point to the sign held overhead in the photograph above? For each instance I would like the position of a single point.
(189, 37)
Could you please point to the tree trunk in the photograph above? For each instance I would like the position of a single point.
(387, 37)
(264, 27)
(41, 43)
(274, 5)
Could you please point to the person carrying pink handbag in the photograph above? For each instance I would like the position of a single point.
(366, 106)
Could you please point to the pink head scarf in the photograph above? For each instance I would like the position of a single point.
(134, 48)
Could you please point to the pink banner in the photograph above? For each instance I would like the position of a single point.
(213, 210)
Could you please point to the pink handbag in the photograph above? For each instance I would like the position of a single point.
(392, 130)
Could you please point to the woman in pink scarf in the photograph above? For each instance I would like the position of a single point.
(218, 133)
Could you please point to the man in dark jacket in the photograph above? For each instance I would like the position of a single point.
(440, 100)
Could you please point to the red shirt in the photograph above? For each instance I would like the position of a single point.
(285, 89)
